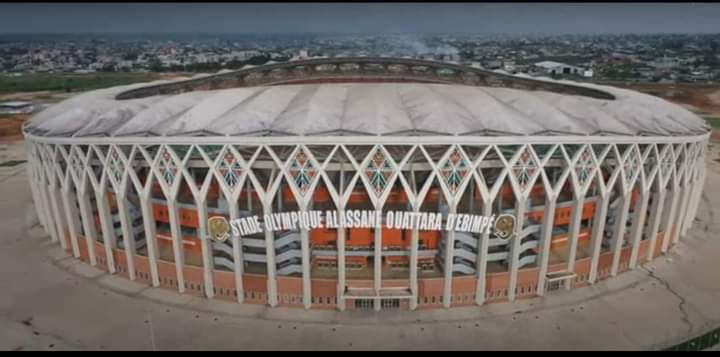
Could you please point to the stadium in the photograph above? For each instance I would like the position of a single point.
(599, 180)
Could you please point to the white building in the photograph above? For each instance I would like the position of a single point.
(556, 68)
(16, 107)
(169, 156)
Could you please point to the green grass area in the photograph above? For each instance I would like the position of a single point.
(70, 82)
(713, 121)
(699, 343)
(12, 163)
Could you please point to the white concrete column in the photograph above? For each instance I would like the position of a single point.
(520, 206)
(177, 243)
(638, 225)
(676, 217)
(619, 231)
(414, 243)
(691, 186)
(238, 265)
(449, 255)
(574, 234)
(341, 265)
(150, 236)
(598, 232)
(57, 217)
(35, 183)
(271, 267)
(668, 221)
(37, 203)
(546, 240)
(342, 282)
(682, 211)
(697, 197)
(128, 233)
(88, 223)
(377, 265)
(481, 262)
(305, 252)
(695, 186)
(205, 248)
(657, 210)
(108, 233)
(51, 227)
(71, 217)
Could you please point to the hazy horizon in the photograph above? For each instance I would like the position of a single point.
(359, 19)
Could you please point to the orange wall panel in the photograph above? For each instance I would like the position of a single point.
(253, 282)
(392, 237)
(430, 287)
(224, 283)
(289, 285)
(324, 287)
(464, 285)
(360, 237)
(323, 236)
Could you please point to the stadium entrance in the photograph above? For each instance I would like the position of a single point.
(369, 304)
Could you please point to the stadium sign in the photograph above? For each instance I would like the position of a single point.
(220, 228)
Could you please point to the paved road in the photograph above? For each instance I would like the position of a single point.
(50, 301)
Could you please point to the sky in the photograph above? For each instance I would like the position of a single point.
(368, 18)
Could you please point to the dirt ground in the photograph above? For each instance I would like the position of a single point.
(11, 128)
(702, 99)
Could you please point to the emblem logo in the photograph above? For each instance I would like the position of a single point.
(504, 226)
(219, 228)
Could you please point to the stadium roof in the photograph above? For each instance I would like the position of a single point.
(355, 109)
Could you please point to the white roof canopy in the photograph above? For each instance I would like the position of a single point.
(365, 109)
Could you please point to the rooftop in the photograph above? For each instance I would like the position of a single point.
(360, 104)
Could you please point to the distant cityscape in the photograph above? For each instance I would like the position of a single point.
(659, 58)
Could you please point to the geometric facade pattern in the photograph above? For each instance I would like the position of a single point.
(680, 161)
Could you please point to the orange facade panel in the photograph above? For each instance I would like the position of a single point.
(393, 238)
(360, 237)
(224, 283)
(188, 217)
(429, 239)
(323, 236)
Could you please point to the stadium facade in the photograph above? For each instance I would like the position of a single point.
(599, 179)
